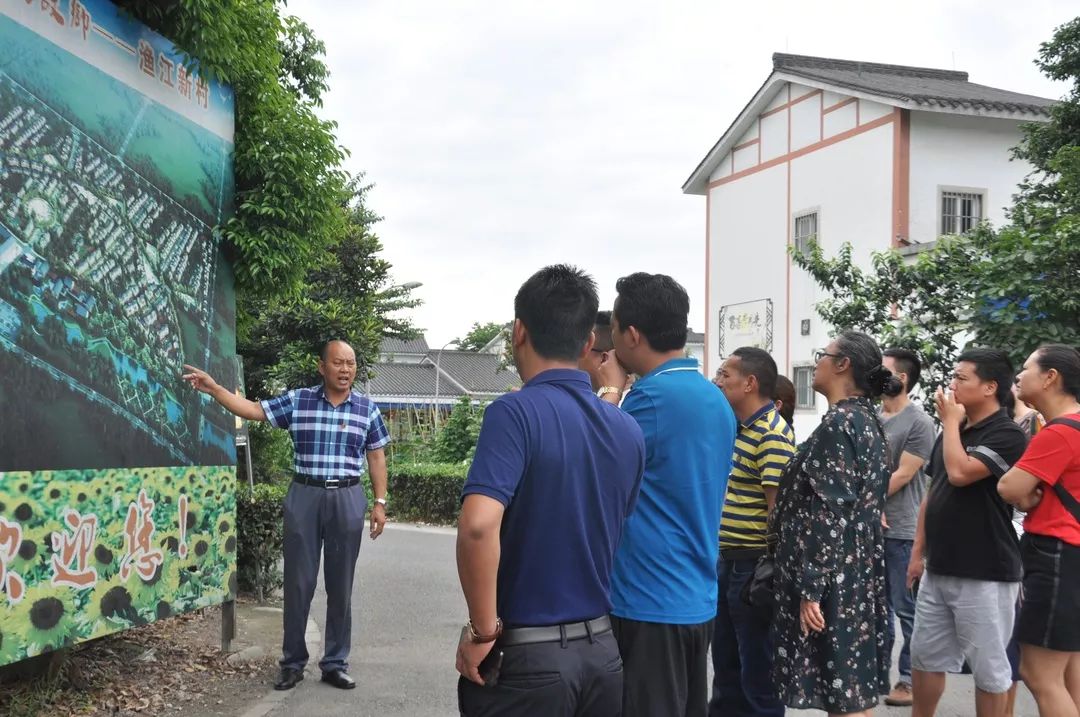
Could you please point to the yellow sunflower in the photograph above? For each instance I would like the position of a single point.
(47, 618)
(108, 609)
(11, 642)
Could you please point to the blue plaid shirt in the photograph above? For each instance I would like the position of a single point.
(328, 441)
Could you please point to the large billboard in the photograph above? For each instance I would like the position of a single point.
(115, 167)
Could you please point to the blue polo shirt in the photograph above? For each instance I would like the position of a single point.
(567, 466)
(665, 567)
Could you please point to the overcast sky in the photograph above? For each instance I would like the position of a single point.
(504, 136)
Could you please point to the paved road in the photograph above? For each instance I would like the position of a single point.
(407, 615)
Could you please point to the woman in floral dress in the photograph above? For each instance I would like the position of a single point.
(830, 623)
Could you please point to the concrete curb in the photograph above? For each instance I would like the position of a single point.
(275, 698)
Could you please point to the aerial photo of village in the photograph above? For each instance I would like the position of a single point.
(107, 285)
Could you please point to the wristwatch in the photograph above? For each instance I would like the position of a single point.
(605, 390)
(381, 501)
(477, 638)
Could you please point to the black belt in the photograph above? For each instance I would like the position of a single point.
(555, 633)
(742, 553)
(328, 483)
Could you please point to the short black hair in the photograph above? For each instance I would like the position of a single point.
(1066, 361)
(907, 362)
(558, 306)
(602, 329)
(657, 306)
(993, 365)
(759, 364)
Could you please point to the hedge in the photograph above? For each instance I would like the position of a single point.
(260, 537)
(425, 492)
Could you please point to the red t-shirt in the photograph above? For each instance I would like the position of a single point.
(1054, 456)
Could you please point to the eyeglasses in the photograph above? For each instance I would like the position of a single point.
(818, 355)
(599, 351)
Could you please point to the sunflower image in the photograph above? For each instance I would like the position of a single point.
(201, 548)
(32, 555)
(105, 557)
(47, 619)
(26, 509)
(145, 594)
(108, 609)
(11, 643)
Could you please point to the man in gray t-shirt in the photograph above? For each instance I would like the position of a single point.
(910, 435)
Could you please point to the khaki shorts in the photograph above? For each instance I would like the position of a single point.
(958, 619)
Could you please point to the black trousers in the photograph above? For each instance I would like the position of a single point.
(666, 668)
(582, 678)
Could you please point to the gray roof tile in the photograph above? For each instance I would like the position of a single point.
(403, 346)
(407, 379)
(923, 86)
(478, 372)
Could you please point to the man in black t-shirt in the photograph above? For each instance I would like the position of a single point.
(966, 601)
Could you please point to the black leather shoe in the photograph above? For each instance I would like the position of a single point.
(288, 679)
(339, 679)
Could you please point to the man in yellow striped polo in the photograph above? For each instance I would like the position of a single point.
(741, 649)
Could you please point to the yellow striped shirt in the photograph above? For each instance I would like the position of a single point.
(763, 447)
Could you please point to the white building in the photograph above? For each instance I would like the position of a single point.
(874, 155)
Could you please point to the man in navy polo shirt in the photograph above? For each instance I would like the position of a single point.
(556, 473)
(663, 586)
(333, 428)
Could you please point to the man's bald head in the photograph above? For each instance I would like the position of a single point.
(332, 344)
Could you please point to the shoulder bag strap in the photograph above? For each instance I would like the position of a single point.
(1071, 503)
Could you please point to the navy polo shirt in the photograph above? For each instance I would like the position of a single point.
(665, 568)
(567, 466)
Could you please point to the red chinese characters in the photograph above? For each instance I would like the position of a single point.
(53, 8)
(183, 81)
(165, 70)
(71, 552)
(80, 18)
(138, 540)
(202, 93)
(10, 581)
(146, 58)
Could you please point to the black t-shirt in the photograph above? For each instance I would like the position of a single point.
(969, 530)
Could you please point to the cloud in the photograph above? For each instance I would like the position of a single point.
(503, 136)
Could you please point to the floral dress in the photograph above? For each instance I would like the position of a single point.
(831, 550)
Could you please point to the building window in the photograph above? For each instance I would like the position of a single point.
(960, 211)
(806, 228)
(804, 387)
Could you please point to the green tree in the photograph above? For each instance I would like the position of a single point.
(1012, 287)
(457, 437)
(287, 163)
(347, 295)
(479, 336)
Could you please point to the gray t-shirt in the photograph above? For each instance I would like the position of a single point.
(910, 431)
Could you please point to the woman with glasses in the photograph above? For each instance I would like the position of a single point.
(830, 623)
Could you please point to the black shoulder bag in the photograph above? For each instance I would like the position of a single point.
(1071, 503)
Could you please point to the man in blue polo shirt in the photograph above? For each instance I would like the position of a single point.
(663, 587)
(556, 473)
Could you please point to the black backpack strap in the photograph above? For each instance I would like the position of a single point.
(1067, 499)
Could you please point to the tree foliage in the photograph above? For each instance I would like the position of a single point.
(1013, 287)
(289, 181)
(457, 437)
(345, 296)
(479, 336)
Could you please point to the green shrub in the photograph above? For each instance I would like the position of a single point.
(260, 537)
(457, 437)
(427, 492)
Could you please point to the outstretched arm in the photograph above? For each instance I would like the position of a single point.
(237, 405)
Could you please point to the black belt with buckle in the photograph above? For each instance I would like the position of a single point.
(555, 633)
(328, 483)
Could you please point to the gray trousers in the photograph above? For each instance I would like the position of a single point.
(329, 521)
